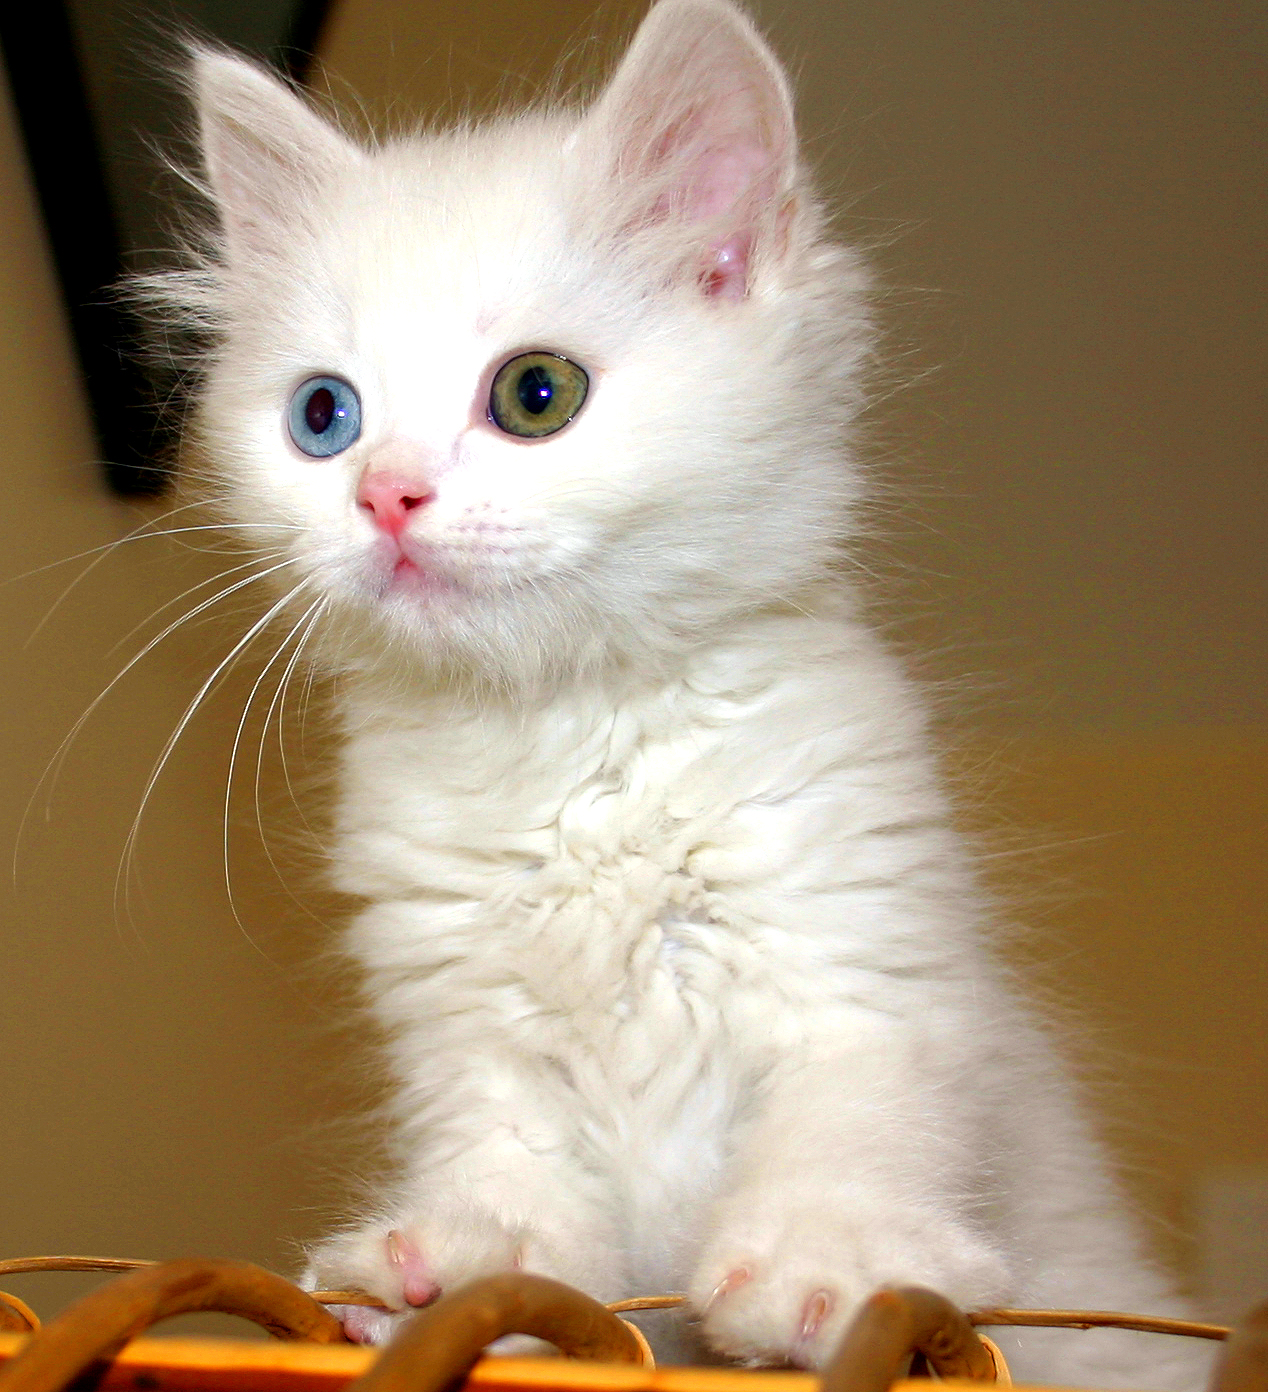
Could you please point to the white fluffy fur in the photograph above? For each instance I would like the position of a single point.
(682, 966)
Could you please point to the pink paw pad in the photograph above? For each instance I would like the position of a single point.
(361, 1324)
(418, 1285)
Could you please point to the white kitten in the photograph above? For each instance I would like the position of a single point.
(681, 964)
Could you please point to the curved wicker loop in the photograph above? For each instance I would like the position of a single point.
(445, 1340)
(890, 1326)
(1003, 1373)
(16, 1316)
(98, 1326)
(1243, 1361)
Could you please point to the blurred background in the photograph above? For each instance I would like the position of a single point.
(1065, 207)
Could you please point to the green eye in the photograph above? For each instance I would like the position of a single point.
(536, 394)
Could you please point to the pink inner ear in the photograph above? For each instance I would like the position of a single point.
(698, 128)
(734, 178)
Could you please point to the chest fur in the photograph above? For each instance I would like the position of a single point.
(592, 896)
(565, 870)
(711, 860)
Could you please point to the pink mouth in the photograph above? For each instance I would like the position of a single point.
(410, 577)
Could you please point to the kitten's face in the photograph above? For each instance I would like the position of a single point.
(492, 431)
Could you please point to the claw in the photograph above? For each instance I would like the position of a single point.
(399, 1248)
(732, 1281)
(418, 1287)
(816, 1310)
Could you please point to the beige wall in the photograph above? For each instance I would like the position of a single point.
(1062, 201)
(1135, 862)
(166, 1082)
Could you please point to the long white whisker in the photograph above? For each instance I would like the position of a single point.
(278, 703)
(233, 756)
(48, 778)
(121, 880)
(279, 700)
(305, 700)
(137, 531)
(184, 594)
(101, 553)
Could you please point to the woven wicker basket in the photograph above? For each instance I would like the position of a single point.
(896, 1334)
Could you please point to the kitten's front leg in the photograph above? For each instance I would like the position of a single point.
(852, 1177)
(407, 1255)
(497, 1206)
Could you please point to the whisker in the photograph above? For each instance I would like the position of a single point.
(223, 666)
(184, 594)
(278, 703)
(236, 746)
(138, 531)
(305, 700)
(281, 743)
(48, 779)
(103, 552)
(100, 553)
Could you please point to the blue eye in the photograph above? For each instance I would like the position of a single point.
(324, 416)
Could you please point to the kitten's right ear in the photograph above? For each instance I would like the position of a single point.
(266, 152)
(695, 132)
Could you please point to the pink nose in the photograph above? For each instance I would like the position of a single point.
(390, 496)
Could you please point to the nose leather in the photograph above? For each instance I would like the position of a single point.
(391, 494)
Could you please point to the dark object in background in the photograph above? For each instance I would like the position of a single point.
(82, 100)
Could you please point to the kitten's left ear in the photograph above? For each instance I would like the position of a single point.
(269, 156)
(696, 130)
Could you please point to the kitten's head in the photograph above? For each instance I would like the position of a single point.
(535, 397)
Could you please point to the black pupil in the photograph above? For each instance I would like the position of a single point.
(320, 410)
(535, 390)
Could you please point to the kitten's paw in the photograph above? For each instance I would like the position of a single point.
(409, 1263)
(772, 1291)
(363, 1325)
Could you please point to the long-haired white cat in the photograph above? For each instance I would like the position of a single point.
(682, 967)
